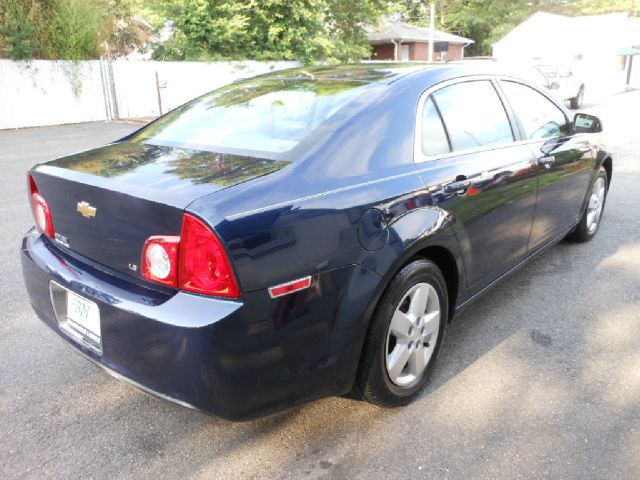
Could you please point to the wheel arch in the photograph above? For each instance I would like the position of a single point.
(445, 261)
(445, 255)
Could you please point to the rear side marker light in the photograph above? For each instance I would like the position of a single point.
(290, 287)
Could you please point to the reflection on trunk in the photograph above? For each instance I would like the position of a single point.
(150, 164)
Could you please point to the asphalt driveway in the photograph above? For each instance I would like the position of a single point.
(539, 379)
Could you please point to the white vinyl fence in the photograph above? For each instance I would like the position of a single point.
(43, 92)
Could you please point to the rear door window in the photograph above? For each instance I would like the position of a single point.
(473, 115)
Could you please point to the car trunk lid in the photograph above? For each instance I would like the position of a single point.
(106, 202)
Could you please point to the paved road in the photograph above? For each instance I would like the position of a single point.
(540, 379)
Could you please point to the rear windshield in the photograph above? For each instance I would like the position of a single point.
(263, 117)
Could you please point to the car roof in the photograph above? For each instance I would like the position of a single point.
(390, 72)
(367, 72)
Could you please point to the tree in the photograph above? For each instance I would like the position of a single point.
(304, 30)
(595, 7)
(17, 30)
(64, 29)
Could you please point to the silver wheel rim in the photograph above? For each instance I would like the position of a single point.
(596, 204)
(412, 335)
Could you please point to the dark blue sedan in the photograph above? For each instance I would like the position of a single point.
(308, 232)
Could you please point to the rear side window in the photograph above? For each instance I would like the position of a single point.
(539, 117)
(473, 115)
(434, 138)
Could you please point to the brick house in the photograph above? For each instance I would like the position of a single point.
(402, 42)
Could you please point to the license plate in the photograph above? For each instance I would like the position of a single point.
(82, 321)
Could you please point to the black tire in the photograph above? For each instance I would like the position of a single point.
(582, 232)
(373, 382)
(576, 102)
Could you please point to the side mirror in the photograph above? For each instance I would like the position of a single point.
(585, 123)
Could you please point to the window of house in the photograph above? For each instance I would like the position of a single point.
(473, 115)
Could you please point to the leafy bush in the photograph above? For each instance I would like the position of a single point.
(304, 30)
(74, 27)
(17, 30)
(63, 29)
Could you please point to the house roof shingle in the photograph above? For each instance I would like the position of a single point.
(410, 33)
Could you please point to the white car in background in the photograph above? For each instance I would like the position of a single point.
(564, 83)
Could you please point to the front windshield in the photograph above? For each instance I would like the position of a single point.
(261, 116)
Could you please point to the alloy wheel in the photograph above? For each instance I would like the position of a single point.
(412, 334)
(596, 204)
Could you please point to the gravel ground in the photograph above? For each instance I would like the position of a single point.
(539, 379)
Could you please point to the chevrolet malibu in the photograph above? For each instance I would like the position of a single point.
(306, 233)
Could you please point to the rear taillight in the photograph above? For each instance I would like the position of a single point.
(40, 209)
(195, 261)
(204, 266)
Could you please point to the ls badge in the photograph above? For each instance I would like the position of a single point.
(86, 210)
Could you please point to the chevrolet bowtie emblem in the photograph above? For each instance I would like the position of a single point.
(86, 210)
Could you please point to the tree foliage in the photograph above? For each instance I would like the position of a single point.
(302, 30)
(595, 7)
(333, 29)
(63, 29)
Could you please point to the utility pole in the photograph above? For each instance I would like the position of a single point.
(432, 26)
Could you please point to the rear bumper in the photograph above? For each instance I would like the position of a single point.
(234, 359)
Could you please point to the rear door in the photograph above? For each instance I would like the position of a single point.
(467, 154)
(564, 161)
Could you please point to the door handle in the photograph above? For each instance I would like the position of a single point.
(546, 161)
(458, 186)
